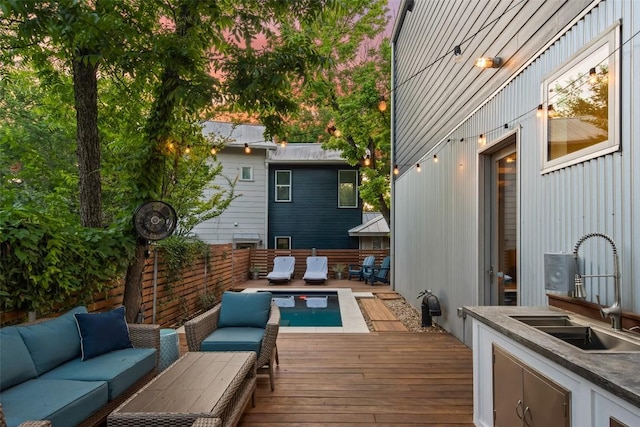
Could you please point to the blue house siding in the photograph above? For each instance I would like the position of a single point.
(312, 219)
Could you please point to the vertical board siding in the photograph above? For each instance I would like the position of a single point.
(436, 226)
(312, 219)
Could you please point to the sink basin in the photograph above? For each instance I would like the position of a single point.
(559, 320)
(579, 334)
(590, 339)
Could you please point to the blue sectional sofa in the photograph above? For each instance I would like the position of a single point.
(74, 369)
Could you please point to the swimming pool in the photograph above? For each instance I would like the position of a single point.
(308, 308)
(350, 314)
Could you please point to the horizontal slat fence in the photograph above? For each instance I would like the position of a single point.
(227, 268)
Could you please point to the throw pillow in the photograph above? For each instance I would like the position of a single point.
(245, 309)
(101, 333)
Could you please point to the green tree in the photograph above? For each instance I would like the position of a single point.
(343, 98)
(162, 59)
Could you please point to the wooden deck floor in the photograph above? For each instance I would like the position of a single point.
(392, 379)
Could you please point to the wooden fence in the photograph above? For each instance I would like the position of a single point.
(227, 268)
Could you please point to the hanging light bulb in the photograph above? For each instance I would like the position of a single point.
(382, 105)
(170, 145)
(481, 139)
(331, 130)
(213, 150)
(337, 133)
(283, 143)
(457, 54)
(418, 168)
(539, 111)
(435, 158)
(396, 170)
(247, 149)
(551, 112)
(367, 160)
(593, 76)
(187, 150)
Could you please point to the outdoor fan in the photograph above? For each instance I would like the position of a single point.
(155, 221)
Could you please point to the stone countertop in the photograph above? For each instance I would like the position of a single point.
(616, 372)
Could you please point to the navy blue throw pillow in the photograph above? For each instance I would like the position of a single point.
(101, 333)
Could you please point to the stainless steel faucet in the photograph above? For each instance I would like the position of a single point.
(615, 311)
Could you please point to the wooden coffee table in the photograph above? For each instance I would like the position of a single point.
(198, 385)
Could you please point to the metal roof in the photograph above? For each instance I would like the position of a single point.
(373, 224)
(304, 153)
(239, 133)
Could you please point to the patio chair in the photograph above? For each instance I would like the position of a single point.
(357, 270)
(283, 267)
(242, 321)
(381, 274)
(317, 269)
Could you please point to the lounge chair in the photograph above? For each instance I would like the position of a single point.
(241, 322)
(283, 267)
(357, 270)
(381, 274)
(317, 269)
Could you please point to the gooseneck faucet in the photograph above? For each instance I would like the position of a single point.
(615, 311)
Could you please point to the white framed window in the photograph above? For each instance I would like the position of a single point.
(347, 189)
(283, 242)
(582, 105)
(246, 173)
(283, 186)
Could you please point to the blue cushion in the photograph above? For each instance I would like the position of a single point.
(53, 342)
(234, 339)
(101, 333)
(64, 403)
(245, 309)
(120, 369)
(16, 365)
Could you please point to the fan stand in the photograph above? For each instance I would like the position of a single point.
(155, 281)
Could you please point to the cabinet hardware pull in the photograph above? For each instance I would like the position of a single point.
(527, 411)
(519, 409)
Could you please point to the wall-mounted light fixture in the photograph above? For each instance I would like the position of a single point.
(418, 168)
(457, 54)
(488, 62)
(247, 149)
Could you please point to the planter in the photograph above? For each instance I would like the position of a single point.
(255, 275)
(338, 275)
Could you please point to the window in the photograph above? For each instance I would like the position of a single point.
(581, 101)
(283, 186)
(283, 242)
(246, 173)
(348, 189)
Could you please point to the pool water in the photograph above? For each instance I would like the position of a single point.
(308, 308)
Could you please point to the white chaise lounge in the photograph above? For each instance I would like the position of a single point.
(283, 267)
(317, 269)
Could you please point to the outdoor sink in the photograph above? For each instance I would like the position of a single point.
(581, 335)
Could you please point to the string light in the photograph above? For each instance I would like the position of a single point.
(187, 150)
(396, 170)
(435, 158)
(457, 54)
(247, 149)
(593, 76)
(418, 168)
(213, 150)
(382, 105)
(482, 139)
(551, 112)
(283, 143)
(367, 160)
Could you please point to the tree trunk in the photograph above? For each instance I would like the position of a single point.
(132, 299)
(85, 87)
(384, 210)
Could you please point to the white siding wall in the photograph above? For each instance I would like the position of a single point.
(437, 224)
(249, 210)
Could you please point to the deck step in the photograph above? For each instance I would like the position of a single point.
(382, 319)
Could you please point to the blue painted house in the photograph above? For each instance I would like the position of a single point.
(313, 199)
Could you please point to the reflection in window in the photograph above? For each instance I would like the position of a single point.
(579, 106)
(348, 189)
(283, 242)
(283, 186)
(581, 102)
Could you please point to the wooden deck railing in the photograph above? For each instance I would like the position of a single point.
(227, 268)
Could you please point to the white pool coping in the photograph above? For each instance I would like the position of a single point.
(352, 320)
